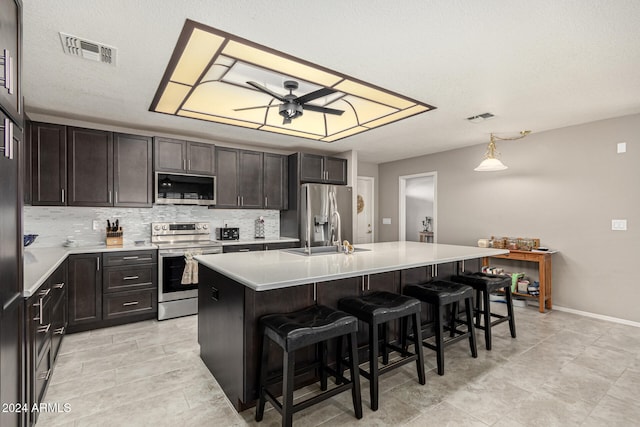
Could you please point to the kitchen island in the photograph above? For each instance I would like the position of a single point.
(235, 290)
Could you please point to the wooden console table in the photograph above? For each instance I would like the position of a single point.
(426, 236)
(544, 273)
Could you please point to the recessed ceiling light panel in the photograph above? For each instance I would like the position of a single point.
(216, 76)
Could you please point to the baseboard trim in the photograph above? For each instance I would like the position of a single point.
(597, 316)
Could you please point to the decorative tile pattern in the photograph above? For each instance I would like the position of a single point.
(54, 224)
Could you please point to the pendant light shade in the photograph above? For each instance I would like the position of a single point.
(491, 162)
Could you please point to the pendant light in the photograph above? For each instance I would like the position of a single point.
(491, 162)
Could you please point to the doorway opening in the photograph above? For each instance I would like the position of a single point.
(418, 207)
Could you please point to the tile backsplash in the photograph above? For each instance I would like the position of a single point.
(54, 224)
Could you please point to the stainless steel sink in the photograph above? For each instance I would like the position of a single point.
(321, 250)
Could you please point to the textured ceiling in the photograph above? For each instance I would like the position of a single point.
(536, 65)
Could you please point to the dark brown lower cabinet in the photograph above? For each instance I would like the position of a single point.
(11, 365)
(85, 291)
(46, 324)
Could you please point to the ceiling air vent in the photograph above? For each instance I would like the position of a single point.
(86, 49)
(480, 117)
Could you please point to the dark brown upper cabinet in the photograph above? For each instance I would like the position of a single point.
(90, 167)
(86, 167)
(133, 175)
(178, 156)
(275, 181)
(322, 169)
(239, 179)
(11, 59)
(49, 164)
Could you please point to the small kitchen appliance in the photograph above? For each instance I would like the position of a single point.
(228, 233)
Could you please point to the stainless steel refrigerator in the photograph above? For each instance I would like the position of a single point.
(326, 217)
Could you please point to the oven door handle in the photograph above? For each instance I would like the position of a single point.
(182, 252)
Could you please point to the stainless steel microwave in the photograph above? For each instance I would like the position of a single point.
(184, 189)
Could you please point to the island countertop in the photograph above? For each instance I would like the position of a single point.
(267, 270)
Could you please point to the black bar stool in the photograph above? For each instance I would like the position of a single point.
(314, 325)
(484, 284)
(441, 293)
(377, 309)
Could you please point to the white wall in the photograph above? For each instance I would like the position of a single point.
(563, 186)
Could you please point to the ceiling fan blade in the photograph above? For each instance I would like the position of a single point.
(267, 91)
(314, 95)
(253, 108)
(308, 107)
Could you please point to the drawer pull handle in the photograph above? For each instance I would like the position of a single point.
(44, 329)
(45, 376)
(244, 250)
(59, 331)
(126, 304)
(58, 285)
(131, 278)
(44, 293)
(129, 257)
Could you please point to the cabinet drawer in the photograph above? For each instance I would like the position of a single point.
(126, 278)
(281, 245)
(129, 258)
(42, 375)
(242, 248)
(130, 303)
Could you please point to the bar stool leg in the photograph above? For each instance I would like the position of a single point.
(355, 374)
(452, 319)
(288, 363)
(439, 338)
(487, 319)
(339, 354)
(373, 365)
(477, 310)
(322, 350)
(417, 346)
(512, 319)
(472, 332)
(384, 328)
(263, 378)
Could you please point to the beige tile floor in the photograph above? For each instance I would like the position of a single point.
(562, 370)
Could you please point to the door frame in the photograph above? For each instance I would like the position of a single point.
(372, 180)
(402, 203)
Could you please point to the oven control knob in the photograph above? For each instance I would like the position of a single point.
(205, 226)
(156, 227)
(198, 226)
(165, 227)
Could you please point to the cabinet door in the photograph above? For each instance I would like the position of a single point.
(132, 176)
(227, 179)
(201, 158)
(25, 163)
(85, 288)
(90, 167)
(250, 179)
(170, 155)
(10, 51)
(311, 169)
(335, 170)
(49, 164)
(11, 345)
(275, 181)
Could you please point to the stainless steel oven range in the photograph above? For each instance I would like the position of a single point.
(177, 274)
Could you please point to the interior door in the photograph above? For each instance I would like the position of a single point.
(365, 211)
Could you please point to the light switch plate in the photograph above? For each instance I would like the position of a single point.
(96, 224)
(619, 224)
(622, 147)
(386, 221)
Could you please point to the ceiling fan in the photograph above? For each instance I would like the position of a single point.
(292, 106)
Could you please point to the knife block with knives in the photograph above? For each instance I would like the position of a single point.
(114, 234)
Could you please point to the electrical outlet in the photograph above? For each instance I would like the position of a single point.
(96, 224)
(386, 221)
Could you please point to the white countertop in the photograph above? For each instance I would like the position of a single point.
(267, 270)
(40, 263)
